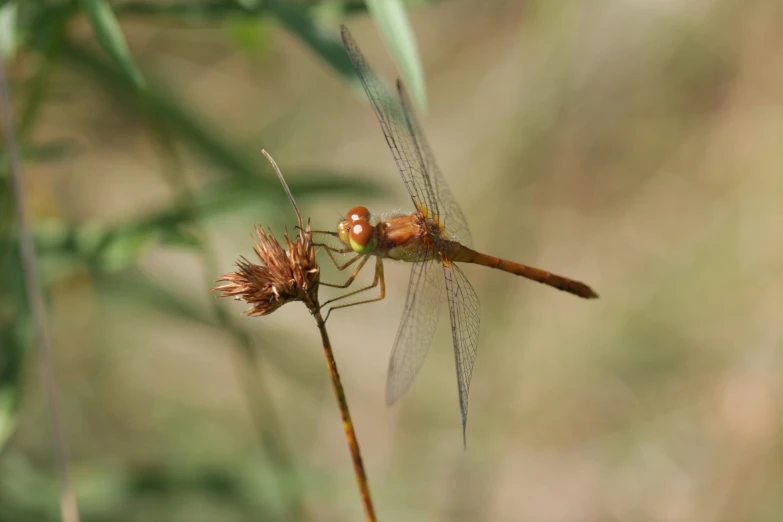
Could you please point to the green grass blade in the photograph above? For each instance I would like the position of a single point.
(187, 11)
(197, 136)
(180, 119)
(14, 333)
(50, 27)
(250, 35)
(249, 181)
(325, 44)
(115, 248)
(109, 34)
(396, 30)
(7, 30)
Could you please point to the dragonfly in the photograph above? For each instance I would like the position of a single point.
(433, 238)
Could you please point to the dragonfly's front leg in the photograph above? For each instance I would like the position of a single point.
(378, 279)
(330, 250)
(336, 264)
(325, 232)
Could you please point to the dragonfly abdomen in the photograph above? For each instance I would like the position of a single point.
(467, 255)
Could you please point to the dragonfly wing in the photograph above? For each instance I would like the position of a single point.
(393, 123)
(417, 328)
(450, 212)
(465, 314)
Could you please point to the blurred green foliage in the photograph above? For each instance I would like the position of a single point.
(632, 145)
(36, 35)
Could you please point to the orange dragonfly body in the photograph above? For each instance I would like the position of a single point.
(433, 238)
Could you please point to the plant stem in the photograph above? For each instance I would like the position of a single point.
(350, 434)
(310, 298)
(69, 510)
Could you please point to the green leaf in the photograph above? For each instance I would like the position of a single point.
(201, 140)
(250, 35)
(109, 34)
(50, 151)
(323, 43)
(250, 182)
(7, 30)
(50, 26)
(167, 110)
(8, 411)
(124, 248)
(392, 21)
(14, 335)
(179, 236)
(295, 17)
(108, 250)
(205, 12)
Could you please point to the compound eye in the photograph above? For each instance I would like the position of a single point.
(357, 213)
(344, 232)
(362, 240)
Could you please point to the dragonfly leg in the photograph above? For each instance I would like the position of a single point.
(353, 276)
(325, 232)
(378, 279)
(330, 248)
(336, 264)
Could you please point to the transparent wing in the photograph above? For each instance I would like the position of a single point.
(417, 327)
(451, 215)
(394, 125)
(465, 314)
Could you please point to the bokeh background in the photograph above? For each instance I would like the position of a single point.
(635, 145)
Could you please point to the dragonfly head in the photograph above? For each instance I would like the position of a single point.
(356, 231)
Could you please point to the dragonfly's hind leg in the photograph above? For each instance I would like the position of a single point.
(378, 279)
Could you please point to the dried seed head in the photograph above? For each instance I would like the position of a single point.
(285, 274)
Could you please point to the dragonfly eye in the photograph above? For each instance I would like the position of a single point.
(357, 213)
(344, 232)
(362, 237)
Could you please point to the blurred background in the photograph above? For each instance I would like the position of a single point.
(634, 145)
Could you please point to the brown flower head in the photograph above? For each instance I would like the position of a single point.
(285, 274)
